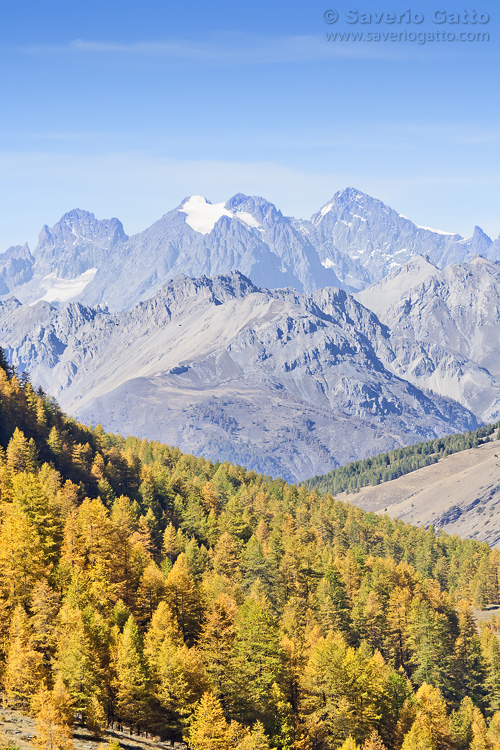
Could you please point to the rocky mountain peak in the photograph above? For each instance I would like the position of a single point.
(261, 209)
(480, 242)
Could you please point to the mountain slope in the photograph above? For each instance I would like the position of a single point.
(445, 324)
(459, 495)
(285, 383)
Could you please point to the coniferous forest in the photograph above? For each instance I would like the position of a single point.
(146, 588)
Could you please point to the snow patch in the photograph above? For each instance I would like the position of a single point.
(328, 263)
(248, 219)
(64, 290)
(201, 215)
(436, 231)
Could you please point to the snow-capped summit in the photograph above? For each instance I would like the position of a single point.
(201, 215)
(263, 213)
(377, 239)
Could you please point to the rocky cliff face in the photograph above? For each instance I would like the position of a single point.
(16, 268)
(77, 243)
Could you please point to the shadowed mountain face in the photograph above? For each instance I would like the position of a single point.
(352, 242)
(281, 382)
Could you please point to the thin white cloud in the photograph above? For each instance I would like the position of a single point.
(458, 132)
(233, 49)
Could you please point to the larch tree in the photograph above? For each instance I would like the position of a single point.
(332, 604)
(21, 453)
(162, 627)
(53, 730)
(461, 724)
(209, 728)
(419, 737)
(217, 644)
(181, 681)
(490, 648)
(21, 556)
(258, 657)
(374, 742)
(432, 723)
(470, 667)
(480, 738)
(23, 670)
(255, 740)
(150, 591)
(184, 599)
(225, 558)
(75, 660)
(132, 693)
(45, 606)
(349, 744)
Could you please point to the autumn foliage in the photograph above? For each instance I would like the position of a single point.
(158, 591)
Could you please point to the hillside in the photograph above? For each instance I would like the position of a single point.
(18, 730)
(451, 483)
(163, 592)
(383, 467)
(458, 495)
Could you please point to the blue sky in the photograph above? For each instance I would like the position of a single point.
(126, 109)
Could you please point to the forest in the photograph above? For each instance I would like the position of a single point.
(146, 588)
(386, 466)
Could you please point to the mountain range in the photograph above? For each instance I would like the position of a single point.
(238, 333)
(351, 242)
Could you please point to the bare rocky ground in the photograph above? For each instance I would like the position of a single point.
(18, 730)
(485, 615)
(460, 495)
